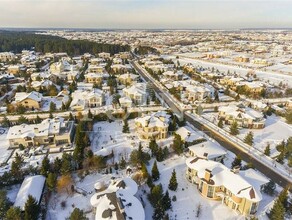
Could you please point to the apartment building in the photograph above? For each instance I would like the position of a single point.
(239, 190)
(50, 132)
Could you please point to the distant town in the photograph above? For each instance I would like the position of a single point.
(145, 124)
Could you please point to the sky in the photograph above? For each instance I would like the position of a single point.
(146, 14)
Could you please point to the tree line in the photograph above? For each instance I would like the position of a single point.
(18, 41)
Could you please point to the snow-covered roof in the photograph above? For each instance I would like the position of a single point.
(158, 119)
(246, 112)
(188, 134)
(207, 150)
(118, 201)
(32, 185)
(20, 96)
(223, 176)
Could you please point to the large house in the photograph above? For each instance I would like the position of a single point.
(51, 132)
(118, 201)
(239, 190)
(244, 116)
(82, 99)
(95, 78)
(153, 126)
(197, 93)
(30, 100)
(137, 93)
(127, 78)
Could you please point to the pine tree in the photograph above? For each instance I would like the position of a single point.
(153, 146)
(173, 182)
(51, 181)
(155, 172)
(4, 203)
(31, 209)
(126, 127)
(52, 107)
(13, 213)
(89, 114)
(45, 168)
(283, 198)
(123, 163)
(160, 155)
(178, 145)
(249, 138)
(5, 122)
(158, 212)
(51, 115)
(71, 117)
(166, 201)
(236, 162)
(267, 150)
(77, 214)
(66, 167)
(269, 188)
(234, 128)
(38, 119)
(220, 123)
(155, 195)
(278, 211)
(144, 171)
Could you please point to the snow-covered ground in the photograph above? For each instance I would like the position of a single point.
(274, 132)
(188, 197)
(4, 145)
(273, 77)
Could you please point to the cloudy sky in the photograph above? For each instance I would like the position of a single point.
(225, 14)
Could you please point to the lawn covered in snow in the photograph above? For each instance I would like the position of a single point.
(4, 145)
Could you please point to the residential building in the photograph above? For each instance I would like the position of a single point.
(128, 78)
(239, 190)
(244, 116)
(137, 93)
(153, 126)
(30, 100)
(82, 99)
(50, 132)
(95, 78)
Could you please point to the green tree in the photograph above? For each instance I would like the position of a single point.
(249, 138)
(13, 213)
(138, 157)
(178, 145)
(236, 162)
(173, 182)
(166, 201)
(126, 127)
(53, 106)
(22, 120)
(77, 214)
(155, 172)
(123, 163)
(66, 166)
(5, 122)
(155, 195)
(16, 166)
(89, 114)
(31, 209)
(51, 181)
(158, 211)
(220, 123)
(4, 203)
(45, 168)
(269, 188)
(153, 146)
(234, 128)
(267, 150)
(288, 117)
(278, 211)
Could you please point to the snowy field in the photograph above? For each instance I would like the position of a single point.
(188, 197)
(4, 145)
(273, 77)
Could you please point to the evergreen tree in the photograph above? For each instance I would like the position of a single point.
(269, 188)
(166, 201)
(153, 146)
(5, 122)
(249, 138)
(16, 167)
(236, 162)
(216, 96)
(52, 107)
(4, 203)
(80, 144)
(278, 211)
(160, 155)
(220, 123)
(126, 127)
(155, 172)
(178, 145)
(138, 157)
(155, 195)
(45, 168)
(77, 214)
(144, 171)
(51, 181)
(283, 198)
(13, 213)
(57, 166)
(31, 209)
(173, 182)
(66, 167)
(71, 117)
(267, 150)
(234, 128)
(158, 212)
(51, 116)
(38, 119)
(123, 163)
(89, 114)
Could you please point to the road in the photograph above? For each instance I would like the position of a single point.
(265, 169)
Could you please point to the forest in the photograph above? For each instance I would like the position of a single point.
(18, 41)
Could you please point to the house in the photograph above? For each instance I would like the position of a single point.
(95, 78)
(173, 75)
(208, 150)
(153, 126)
(13, 69)
(95, 69)
(30, 100)
(104, 55)
(37, 85)
(51, 132)
(127, 78)
(197, 93)
(137, 93)
(118, 201)
(82, 99)
(31, 185)
(244, 116)
(125, 102)
(7, 56)
(239, 190)
(119, 68)
(189, 136)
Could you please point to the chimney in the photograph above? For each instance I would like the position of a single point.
(235, 169)
(208, 175)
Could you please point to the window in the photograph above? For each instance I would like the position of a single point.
(201, 186)
(210, 192)
(254, 208)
